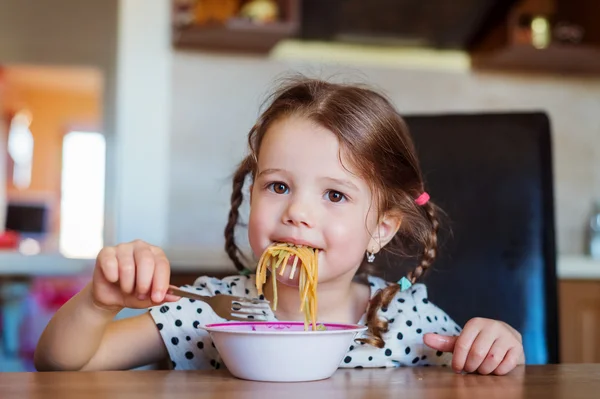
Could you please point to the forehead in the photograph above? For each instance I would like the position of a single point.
(295, 142)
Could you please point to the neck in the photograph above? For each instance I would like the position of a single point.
(339, 300)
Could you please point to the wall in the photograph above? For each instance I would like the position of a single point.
(216, 99)
(142, 122)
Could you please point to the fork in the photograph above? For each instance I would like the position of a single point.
(230, 307)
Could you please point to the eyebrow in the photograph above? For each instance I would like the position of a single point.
(269, 171)
(342, 182)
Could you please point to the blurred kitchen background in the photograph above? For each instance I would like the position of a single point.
(123, 119)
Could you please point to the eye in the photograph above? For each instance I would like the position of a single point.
(278, 188)
(335, 196)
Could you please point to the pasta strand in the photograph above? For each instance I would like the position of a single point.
(277, 256)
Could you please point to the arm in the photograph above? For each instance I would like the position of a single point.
(83, 336)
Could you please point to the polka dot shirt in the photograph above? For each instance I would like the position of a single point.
(410, 315)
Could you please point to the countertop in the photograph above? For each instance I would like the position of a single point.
(577, 267)
(13, 263)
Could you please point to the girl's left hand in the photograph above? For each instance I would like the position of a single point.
(485, 346)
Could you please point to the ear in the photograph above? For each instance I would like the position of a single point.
(386, 229)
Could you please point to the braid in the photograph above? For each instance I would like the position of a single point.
(237, 197)
(381, 300)
(431, 244)
(377, 326)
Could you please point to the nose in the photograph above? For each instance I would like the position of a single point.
(299, 212)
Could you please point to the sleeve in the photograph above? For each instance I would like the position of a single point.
(189, 346)
(234, 285)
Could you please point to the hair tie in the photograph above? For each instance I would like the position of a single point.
(422, 199)
(404, 284)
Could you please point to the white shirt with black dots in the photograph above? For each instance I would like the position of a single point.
(410, 315)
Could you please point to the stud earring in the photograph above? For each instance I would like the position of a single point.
(370, 257)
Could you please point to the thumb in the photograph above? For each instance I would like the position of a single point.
(136, 303)
(171, 298)
(443, 343)
(166, 299)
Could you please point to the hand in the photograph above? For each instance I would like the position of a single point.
(133, 275)
(485, 346)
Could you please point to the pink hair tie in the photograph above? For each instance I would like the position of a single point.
(422, 199)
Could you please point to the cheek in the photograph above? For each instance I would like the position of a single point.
(349, 239)
(260, 225)
(353, 225)
(255, 229)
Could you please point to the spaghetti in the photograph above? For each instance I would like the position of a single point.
(276, 257)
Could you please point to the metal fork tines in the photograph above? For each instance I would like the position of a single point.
(228, 306)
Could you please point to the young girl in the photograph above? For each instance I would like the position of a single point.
(333, 168)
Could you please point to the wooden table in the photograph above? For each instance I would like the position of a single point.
(556, 382)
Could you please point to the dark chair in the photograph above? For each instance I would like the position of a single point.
(492, 175)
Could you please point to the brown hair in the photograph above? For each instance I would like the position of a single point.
(376, 141)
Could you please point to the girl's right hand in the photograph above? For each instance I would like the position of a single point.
(131, 275)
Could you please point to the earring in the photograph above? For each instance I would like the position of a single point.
(370, 257)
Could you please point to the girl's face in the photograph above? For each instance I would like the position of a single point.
(304, 194)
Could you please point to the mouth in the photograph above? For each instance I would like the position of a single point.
(293, 242)
(293, 263)
(287, 268)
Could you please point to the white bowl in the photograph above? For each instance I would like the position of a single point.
(282, 351)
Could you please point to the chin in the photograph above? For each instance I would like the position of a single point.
(285, 280)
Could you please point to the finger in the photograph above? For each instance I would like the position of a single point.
(493, 358)
(480, 349)
(443, 343)
(511, 360)
(171, 298)
(144, 270)
(161, 279)
(126, 267)
(108, 264)
(463, 346)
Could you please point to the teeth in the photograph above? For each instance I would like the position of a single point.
(294, 245)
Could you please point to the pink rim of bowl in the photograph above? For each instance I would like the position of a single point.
(280, 327)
